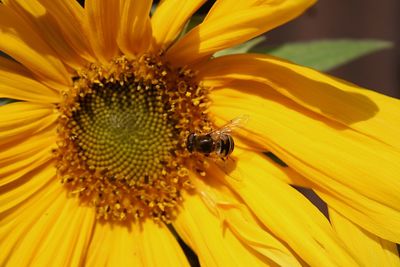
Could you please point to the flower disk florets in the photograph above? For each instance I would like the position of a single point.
(122, 136)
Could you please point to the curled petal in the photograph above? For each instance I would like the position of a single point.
(363, 110)
(332, 158)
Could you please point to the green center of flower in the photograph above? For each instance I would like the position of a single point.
(122, 137)
(122, 130)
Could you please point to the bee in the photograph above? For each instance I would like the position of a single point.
(218, 142)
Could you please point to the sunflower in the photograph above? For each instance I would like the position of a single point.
(95, 165)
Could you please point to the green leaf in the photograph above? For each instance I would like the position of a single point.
(193, 22)
(325, 55)
(5, 101)
(190, 24)
(242, 48)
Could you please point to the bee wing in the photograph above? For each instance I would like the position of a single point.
(232, 125)
(235, 123)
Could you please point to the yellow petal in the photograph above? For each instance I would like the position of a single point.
(258, 162)
(31, 161)
(368, 112)
(290, 217)
(47, 230)
(18, 122)
(16, 152)
(26, 186)
(20, 227)
(103, 17)
(70, 17)
(19, 157)
(18, 39)
(46, 26)
(22, 119)
(367, 248)
(16, 82)
(231, 225)
(221, 8)
(169, 19)
(113, 246)
(148, 244)
(220, 32)
(377, 218)
(201, 230)
(159, 247)
(39, 199)
(135, 33)
(317, 140)
(355, 168)
(367, 213)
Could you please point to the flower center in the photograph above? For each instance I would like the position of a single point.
(122, 133)
(122, 130)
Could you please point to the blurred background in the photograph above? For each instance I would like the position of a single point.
(365, 19)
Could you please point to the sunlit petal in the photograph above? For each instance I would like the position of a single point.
(46, 26)
(245, 22)
(338, 157)
(148, 244)
(19, 40)
(363, 110)
(169, 19)
(291, 217)
(23, 118)
(16, 82)
(367, 248)
(212, 212)
(103, 18)
(73, 24)
(59, 228)
(135, 33)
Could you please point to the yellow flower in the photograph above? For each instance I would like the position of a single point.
(94, 161)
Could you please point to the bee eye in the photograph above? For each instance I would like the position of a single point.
(189, 142)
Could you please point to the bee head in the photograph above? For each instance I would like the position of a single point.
(190, 142)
